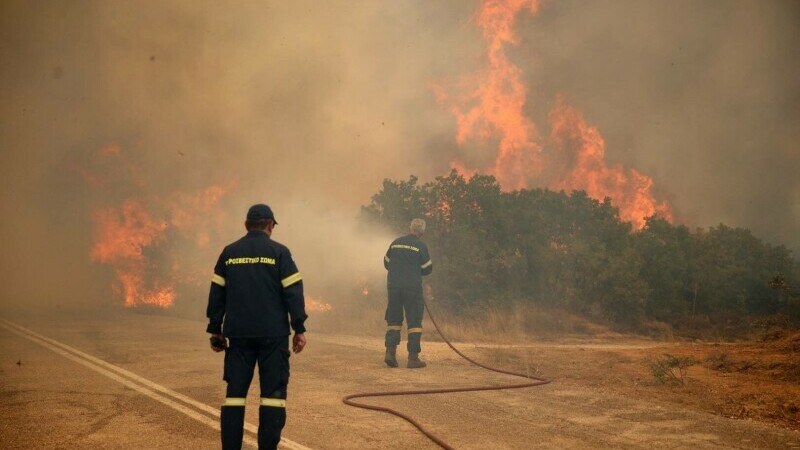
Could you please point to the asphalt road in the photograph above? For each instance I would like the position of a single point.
(120, 379)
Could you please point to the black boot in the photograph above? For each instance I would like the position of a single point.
(391, 356)
(414, 362)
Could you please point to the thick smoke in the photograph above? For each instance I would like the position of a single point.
(308, 105)
(303, 105)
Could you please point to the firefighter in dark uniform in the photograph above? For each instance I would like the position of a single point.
(407, 261)
(256, 294)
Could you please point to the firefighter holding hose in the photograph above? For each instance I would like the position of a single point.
(407, 261)
(256, 295)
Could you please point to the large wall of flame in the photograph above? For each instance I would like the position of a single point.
(308, 105)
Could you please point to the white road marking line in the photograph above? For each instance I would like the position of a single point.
(107, 369)
(141, 389)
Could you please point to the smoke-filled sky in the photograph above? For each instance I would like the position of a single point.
(308, 105)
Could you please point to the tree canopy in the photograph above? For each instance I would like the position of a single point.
(570, 251)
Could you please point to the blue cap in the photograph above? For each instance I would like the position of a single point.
(260, 212)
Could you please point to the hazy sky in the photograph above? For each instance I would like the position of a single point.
(308, 105)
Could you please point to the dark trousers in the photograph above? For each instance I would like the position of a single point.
(241, 357)
(408, 300)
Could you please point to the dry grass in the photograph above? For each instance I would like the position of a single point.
(492, 324)
(514, 324)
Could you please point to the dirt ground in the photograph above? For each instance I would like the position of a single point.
(752, 381)
(757, 380)
(603, 393)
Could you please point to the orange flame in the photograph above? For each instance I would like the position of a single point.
(138, 238)
(497, 111)
(314, 304)
(120, 237)
(500, 100)
(363, 286)
(462, 169)
(629, 191)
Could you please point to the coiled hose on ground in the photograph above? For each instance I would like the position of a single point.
(348, 400)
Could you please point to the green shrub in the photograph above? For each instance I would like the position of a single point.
(671, 369)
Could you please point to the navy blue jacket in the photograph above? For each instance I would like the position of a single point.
(255, 289)
(407, 261)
